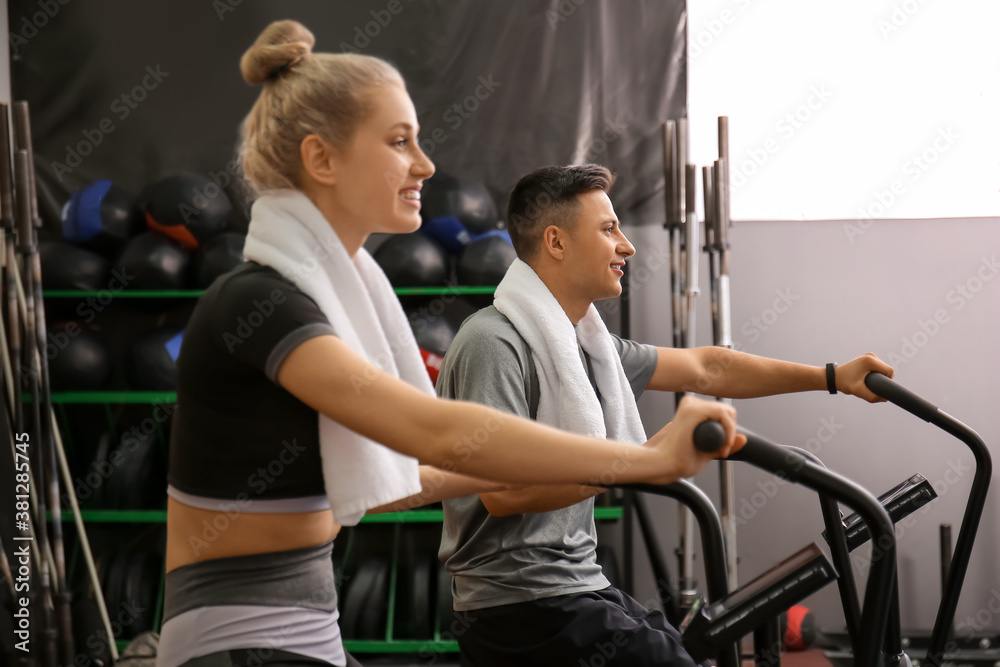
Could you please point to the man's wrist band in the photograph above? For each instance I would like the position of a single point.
(831, 378)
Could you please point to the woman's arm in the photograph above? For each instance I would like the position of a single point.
(463, 437)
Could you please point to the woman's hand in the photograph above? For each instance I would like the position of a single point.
(676, 440)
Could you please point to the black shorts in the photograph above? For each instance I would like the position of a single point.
(604, 628)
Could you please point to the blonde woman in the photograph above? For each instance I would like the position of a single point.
(302, 400)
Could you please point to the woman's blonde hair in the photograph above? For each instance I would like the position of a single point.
(303, 93)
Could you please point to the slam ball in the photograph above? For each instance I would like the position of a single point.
(100, 217)
(412, 260)
(152, 361)
(77, 360)
(151, 262)
(433, 332)
(187, 208)
(68, 267)
(218, 256)
(485, 260)
(470, 202)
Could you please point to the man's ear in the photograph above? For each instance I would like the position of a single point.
(318, 159)
(554, 242)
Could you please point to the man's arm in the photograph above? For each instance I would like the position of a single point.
(533, 499)
(716, 371)
(437, 485)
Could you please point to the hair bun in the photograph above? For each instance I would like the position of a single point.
(282, 43)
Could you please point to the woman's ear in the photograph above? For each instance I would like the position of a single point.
(318, 160)
(554, 242)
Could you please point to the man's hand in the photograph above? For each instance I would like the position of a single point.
(850, 377)
(676, 439)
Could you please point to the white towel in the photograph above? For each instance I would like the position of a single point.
(289, 234)
(566, 397)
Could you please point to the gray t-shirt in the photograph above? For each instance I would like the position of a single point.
(503, 560)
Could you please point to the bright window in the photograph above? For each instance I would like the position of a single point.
(850, 110)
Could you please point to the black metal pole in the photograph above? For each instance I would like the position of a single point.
(893, 632)
(916, 405)
(846, 583)
(668, 598)
(673, 226)
(767, 644)
(946, 557)
(708, 190)
(712, 543)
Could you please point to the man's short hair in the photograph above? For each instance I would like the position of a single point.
(548, 196)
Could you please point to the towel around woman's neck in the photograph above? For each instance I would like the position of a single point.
(289, 234)
(566, 397)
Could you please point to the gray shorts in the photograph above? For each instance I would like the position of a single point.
(276, 608)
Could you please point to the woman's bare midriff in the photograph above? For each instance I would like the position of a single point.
(195, 535)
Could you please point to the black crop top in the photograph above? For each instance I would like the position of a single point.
(236, 433)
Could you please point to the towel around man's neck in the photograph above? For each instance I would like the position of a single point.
(566, 397)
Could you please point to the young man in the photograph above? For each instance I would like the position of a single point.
(524, 564)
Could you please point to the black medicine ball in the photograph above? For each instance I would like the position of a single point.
(218, 256)
(152, 361)
(433, 332)
(470, 202)
(77, 360)
(413, 260)
(187, 208)
(67, 267)
(100, 217)
(151, 262)
(485, 260)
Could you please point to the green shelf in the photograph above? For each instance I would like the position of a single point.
(413, 516)
(116, 516)
(608, 513)
(117, 396)
(457, 290)
(400, 646)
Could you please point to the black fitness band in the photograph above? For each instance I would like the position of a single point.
(831, 378)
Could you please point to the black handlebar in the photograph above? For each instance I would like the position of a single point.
(904, 398)
(709, 436)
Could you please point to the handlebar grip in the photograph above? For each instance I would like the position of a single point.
(904, 398)
(709, 436)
